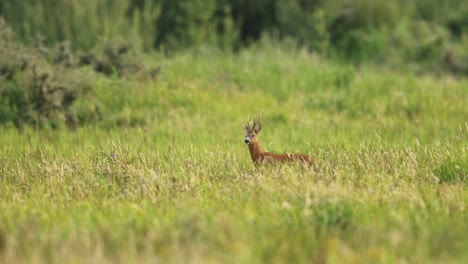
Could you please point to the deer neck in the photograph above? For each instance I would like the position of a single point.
(255, 151)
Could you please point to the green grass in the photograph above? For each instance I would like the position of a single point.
(165, 177)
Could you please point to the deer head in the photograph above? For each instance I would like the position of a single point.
(252, 128)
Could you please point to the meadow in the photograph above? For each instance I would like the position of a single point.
(166, 177)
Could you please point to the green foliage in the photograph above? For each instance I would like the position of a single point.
(301, 21)
(45, 86)
(112, 57)
(334, 216)
(33, 91)
(422, 42)
(194, 23)
(83, 23)
(453, 171)
(351, 25)
(165, 175)
(426, 35)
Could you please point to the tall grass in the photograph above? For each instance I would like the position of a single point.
(83, 23)
(167, 178)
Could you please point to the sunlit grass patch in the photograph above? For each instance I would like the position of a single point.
(453, 171)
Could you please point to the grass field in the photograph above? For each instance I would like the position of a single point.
(166, 177)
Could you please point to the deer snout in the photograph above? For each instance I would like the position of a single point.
(247, 141)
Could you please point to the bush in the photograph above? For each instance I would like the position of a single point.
(32, 91)
(189, 23)
(112, 57)
(350, 26)
(44, 86)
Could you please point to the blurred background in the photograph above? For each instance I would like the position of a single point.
(428, 34)
(49, 42)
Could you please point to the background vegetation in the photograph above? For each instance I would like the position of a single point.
(121, 136)
(425, 34)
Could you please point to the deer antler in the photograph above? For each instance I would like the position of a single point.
(255, 124)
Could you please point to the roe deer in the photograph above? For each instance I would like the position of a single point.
(252, 128)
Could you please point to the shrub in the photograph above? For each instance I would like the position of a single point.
(112, 57)
(32, 91)
(186, 24)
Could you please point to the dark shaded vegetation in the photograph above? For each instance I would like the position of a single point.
(418, 35)
(39, 85)
(34, 91)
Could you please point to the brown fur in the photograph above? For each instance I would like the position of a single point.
(252, 129)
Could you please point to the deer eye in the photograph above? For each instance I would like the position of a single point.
(253, 135)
